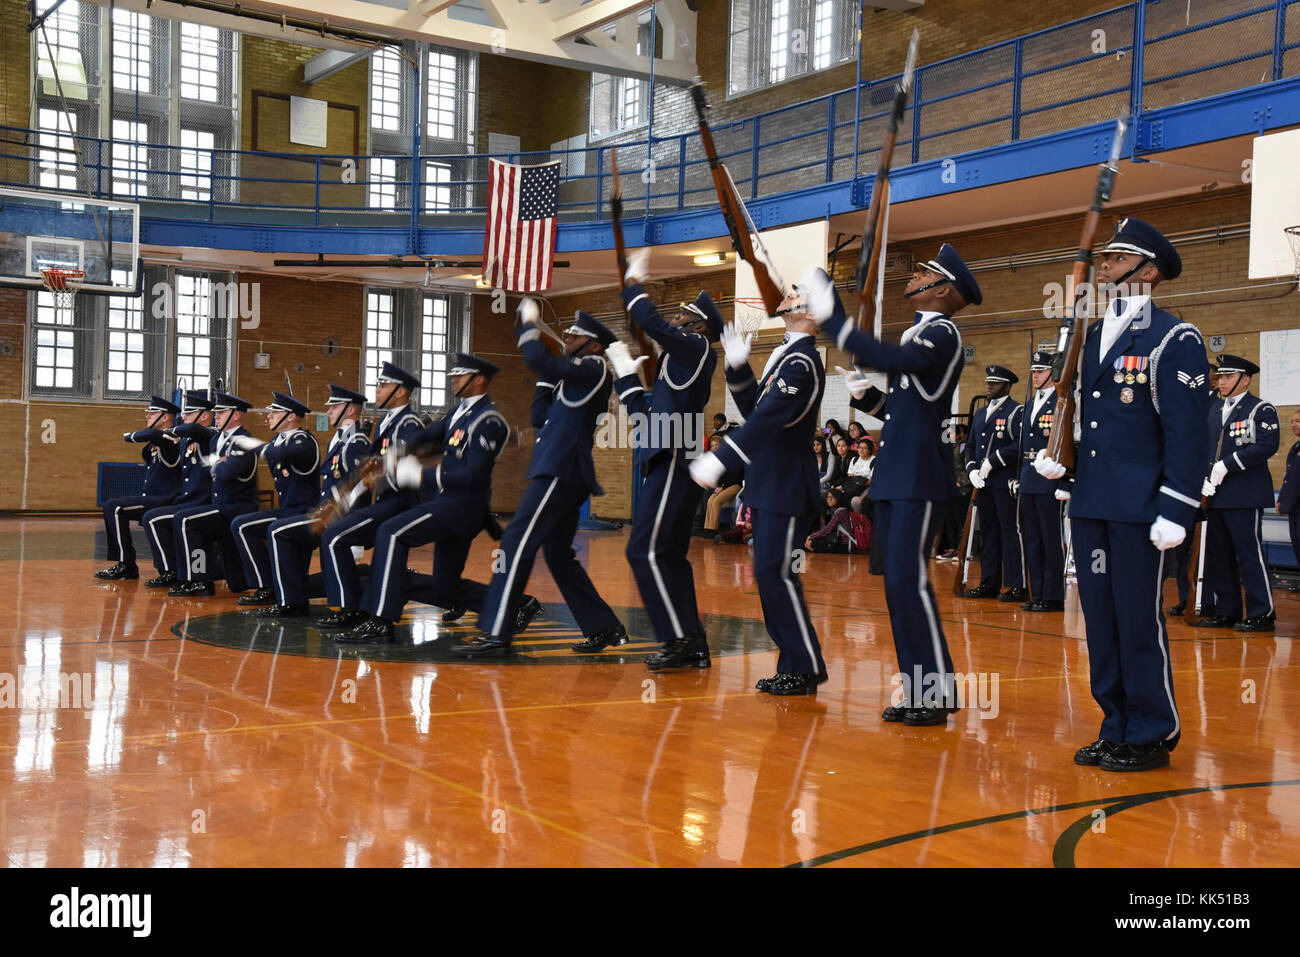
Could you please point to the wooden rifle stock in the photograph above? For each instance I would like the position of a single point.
(620, 250)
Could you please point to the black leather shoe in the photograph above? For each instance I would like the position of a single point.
(894, 714)
(455, 613)
(263, 596)
(1257, 623)
(1136, 757)
(373, 631)
(343, 618)
(610, 637)
(118, 572)
(1014, 594)
(1091, 754)
(484, 646)
(1027, 605)
(926, 717)
(165, 580)
(982, 591)
(529, 609)
(1293, 587)
(692, 652)
(1045, 605)
(1216, 621)
(794, 684)
(1177, 611)
(192, 590)
(285, 611)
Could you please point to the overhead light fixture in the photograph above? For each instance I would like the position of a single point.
(481, 283)
(162, 257)
(710, 259)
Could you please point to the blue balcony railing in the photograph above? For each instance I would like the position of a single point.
(1148, 55)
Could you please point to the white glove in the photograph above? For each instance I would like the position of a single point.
(247, 443)
(735, 346)
(624, 364)
(408, 472)
(1166, 534)
(529, 312)
(1218, 472)
(985, 469)
(1208, 488)
(977, 480)
(1014, 485)
(819, 293)
(1062, 495)
(638, 266)
(856, 382)
(1048, 468)
(706, 471)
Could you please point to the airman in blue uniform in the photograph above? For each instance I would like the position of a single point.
(993, 464)
(195, 489)
(774, 451)
(561, 477)
(293, 458)
(1041, 500)
(1140, 459)
(1246, 433)
(1288, 496)
(162, 483)
(913, 481)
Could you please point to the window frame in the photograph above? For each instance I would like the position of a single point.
(802, 15)
(406, 338)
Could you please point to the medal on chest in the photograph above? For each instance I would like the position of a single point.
(1126, 395)
(1000, 426)
(1045, 422)
(457, 437)
(334, 465)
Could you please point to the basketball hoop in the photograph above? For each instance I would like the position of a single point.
(62, 284)
(1293, 237)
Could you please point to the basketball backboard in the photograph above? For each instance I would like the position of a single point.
(42, 229)
(791, 250)
(1274, 204)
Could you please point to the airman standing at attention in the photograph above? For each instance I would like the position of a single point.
(993, 464)
(1041, 500)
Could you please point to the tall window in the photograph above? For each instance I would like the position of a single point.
(437, 189)
(57, 150)
(433, 351)
(380, 314)
(196, 164)
(381, 186)
(130, 158)
(442, 102)
(56, 344)
(126, 343)
(620, 103)
(387, 98)
(201, 56)
(132, 51)
(417, 331)
(776, 40)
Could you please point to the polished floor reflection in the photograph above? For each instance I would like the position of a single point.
(140, 730)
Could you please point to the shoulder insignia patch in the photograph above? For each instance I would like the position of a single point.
(1192, 382)
(787, 389)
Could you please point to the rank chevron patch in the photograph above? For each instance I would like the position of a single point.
(1192, 382)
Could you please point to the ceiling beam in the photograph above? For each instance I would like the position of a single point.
(593, 16)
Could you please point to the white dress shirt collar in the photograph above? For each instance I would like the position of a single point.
(790, 339)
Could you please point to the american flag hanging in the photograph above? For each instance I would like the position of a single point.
(520, 242)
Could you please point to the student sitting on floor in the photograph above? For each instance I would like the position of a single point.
(847, 531)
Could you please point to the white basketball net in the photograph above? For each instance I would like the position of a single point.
(1293, 237)
(749, 314)
(62, 284)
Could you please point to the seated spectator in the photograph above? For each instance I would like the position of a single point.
(727, 489)
(847, 531)
(832, 430)
(859, 474)
(844, 456)
(825, 461)
(742, 533)
(856, 432)
(720, 424)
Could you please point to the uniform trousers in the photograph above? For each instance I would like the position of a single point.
(1040, 529)
(359, 528)
(778, 545)
(1000, 539)
(119, 513)
(197, 528)
(657, 547)
(1234, 556)
(251, 534)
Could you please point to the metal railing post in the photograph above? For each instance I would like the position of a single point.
(1016, 80)
(681, 172)
(753, 166)
(857, 93)
(830, 138)
(315, 214)
(916, 114)
(1139, 48)
(1279, 36)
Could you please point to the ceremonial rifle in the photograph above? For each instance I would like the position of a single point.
(620, 250)
(874, 231)
(1195, 568)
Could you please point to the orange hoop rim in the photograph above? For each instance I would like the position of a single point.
(60, 278)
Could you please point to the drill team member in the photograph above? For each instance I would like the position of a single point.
(993, 464)
(1041, 501)
(196, 489)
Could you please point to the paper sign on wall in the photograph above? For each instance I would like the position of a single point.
(308, 121)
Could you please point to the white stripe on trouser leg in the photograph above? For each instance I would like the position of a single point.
(388, 562)
(117, 529)
(787, 561)
(1020, 540)
(275, 555)
(248, 549)
(1162, 641)
(925, 597)
(153, 530)
(650, 552)
(185, 540)
(338, 575)
(1263, 566)
(514, 562)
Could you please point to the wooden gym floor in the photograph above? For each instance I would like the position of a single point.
(195, 737)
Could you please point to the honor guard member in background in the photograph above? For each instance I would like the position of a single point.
(665, 507)
(912, 482)
(774, 450)
(1288, 497)
(1041, 500)
(234, 493)
(561, 477)
(458, 495)
(293, 458)
(1139, 465)
(394, 432)
(993, 464)
(1246, 433)
(196, 489)
(162, 483)
(293, 539)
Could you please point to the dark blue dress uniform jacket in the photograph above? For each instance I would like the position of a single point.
(774, 446)
(470, 449)
(1145, 458)
(234, 477)
(1250, 437)
(1034, 435)
(293, 458)
(923, 370)
(683, 381)
(1288, 498)
(341, 458)
(162, 463)
(996, 436)
(402, 429)
(196, 478)
(578, 397)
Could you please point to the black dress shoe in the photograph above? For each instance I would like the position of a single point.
(793, 684)
(118, 572)
(165, 580)
(529, 609)
(1293, 587)
(1136, 757)
(192, 590)
(982, 591)
(894, 714)
(343, 618)
(1257, 623)
(1216, 621)
(484, 646)
(285, 611)
(1014, 594)
(1027, 605)
(455, 613)
(692, 652)
(926, 717)
(1045, 605)
(1091, 754)
(263, 596)
(373, 631)
(602, 639)
(1177, 611)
